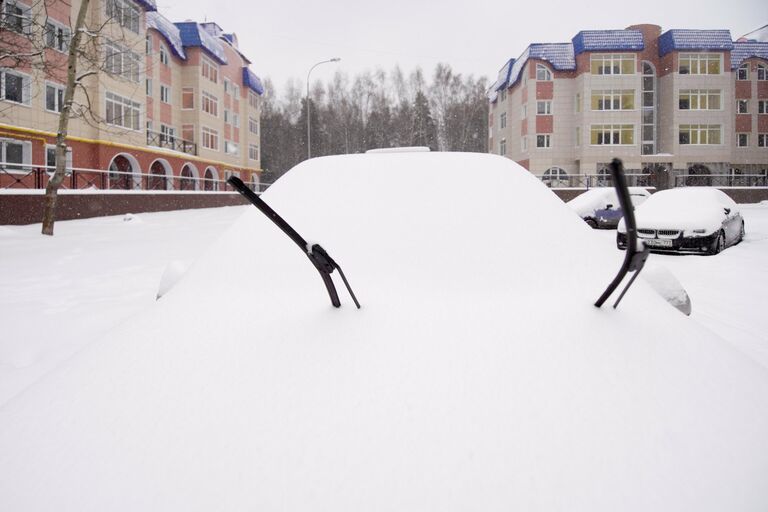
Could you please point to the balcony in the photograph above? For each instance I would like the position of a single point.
(163, 140)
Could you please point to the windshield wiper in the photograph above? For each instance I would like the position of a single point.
(316, 254)
(633, 259)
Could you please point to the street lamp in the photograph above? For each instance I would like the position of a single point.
(309, 140)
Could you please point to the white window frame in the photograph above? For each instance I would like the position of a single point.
(612, 129)
(59, 99)
(702, 96)
(211, 101)
(126, 105)
(26, 86)
(699, 59)
(608, 61)
(739, 137)
(62, 40)
(524, 111)
(227, 116)
(503, 120)
(742, 76)
(543, 73)
(611, 98)
(26, 152)
(231, 148)
(122, 62)
(762, 106)
(150, 87)
(51, 169)
(212, 134)
(503, 147)
(253, 100)
(26, 16)
(253, 122)
(253, 152)
(125, 13)
(165, 94)
(235, 120)
(209, 69)
(742, 106)
(544, 107)
(762, 140)
(699, 130)
(762, 72)
(524, 143)
(165, 59)
(543, 140)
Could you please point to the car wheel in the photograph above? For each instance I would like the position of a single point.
(718, 244)
(591, 223)
(741, 233)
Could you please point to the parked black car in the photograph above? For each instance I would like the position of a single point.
(599, 207)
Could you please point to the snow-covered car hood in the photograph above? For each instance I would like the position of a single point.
(587, 203)
(477, 375)
(684, 209)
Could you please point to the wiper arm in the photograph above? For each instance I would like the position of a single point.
(316, 254)
(633, 259)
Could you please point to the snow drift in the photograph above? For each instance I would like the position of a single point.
(478, 374)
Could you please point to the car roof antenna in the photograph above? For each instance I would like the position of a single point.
(316, 254)
(634, 259)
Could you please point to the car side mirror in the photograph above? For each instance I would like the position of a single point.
(727, 210)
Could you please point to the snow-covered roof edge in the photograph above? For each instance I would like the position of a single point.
(743, 51)
(252, 81)
(169, 31)
(193, 35)
(694, 40)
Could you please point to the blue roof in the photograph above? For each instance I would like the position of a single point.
(694, 40)
(193, 35)
(169, 31)
(252, 81)
(607, 41)
(743, 51)
(148, 5)
(559, 55)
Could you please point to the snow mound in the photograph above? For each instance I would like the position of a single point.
(477, 375)
(172, 274)
(667, 285)
(686, 208)
(132, 218)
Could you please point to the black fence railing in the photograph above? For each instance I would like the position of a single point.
(164, 140)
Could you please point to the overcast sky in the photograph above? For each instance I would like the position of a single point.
(285, 38)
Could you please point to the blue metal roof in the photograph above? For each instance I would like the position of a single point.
(148, 5)
(169, 31)
(193, 35)
(743, 51)
(252, 81)
(607, 41)
(694, 40)
(559, 55)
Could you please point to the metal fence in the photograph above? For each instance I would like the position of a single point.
(721, 180)
(20, 176)
(593, 180)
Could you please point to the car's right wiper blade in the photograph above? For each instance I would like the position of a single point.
(633, 259)
(316, 254)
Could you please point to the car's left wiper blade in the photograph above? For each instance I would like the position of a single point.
(633, 259)
(316, 254)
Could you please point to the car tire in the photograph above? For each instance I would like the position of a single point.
(591, 223)
(741, 233)
(718, 244)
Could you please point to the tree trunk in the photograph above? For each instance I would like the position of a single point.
(52, 189)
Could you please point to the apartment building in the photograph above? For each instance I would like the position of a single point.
(674, 102)
(170, 105)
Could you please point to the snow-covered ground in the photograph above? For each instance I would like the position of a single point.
(478, 374)
(59, 294)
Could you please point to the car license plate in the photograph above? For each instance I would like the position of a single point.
(658, 242)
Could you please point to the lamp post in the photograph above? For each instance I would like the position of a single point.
(309, 139)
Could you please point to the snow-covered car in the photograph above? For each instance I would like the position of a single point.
(478, 374)
(600, 208)
(689, 219)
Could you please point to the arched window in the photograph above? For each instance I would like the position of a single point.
(188, 178)
(762, 72)
(211, 179)
(743, 72)
(555, 176)
(543, 73)
(157, 179)
(123, 171)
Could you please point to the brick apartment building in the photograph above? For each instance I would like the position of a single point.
(674, 102)
(175, 101)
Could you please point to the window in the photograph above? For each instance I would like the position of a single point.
(762, 107)
(253, 100)
(613, 100)
(167, 134)
(210, 138)
(57, 36)
(699, 99)
(577, 101)
(699, 134)
(544, 108)
(612, 134)
(503, 147)
(165, 93)
(253, 152)
(163, 55)
(231, 148)
(742, 106)
(543, 141)
(121, 62)
(235, 120)
(15, 17)
(187, 98)
(253, 126)
(743, 72)
(235, 91)
(15, 152)
(149, 87)
(227, 86)
(209, 69)
(543, 73)
(612, 64)
(188, 132)
(762, 72)
(699, 64)
(577, 136)
(503, 95)
(50, 158)
(524, 143)
(14, 87)
(227, 116)
(54, 97)
(762, 140)
(742, 140)
(122, 112)
(503, 120)
(210, 104)
(124, 12)
(149, 47)
(524, 112)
